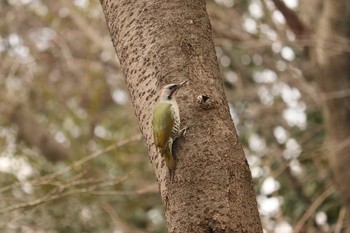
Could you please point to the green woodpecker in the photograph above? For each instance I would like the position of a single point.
(166, 123)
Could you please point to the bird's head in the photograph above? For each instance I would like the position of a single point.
(169, 91)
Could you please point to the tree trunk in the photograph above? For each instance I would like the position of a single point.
(160, 42)
(333, 58)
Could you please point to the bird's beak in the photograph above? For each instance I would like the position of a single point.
(181, 84)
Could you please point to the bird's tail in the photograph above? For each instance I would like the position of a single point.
(167, 154)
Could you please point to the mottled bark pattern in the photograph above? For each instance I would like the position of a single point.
(160, 42)
(334, 79)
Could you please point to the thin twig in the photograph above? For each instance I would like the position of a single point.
(77, 163)
(310, 211)
(338, 94)
(60, 192)
(340, 221)
(119, 224)
(149, 189)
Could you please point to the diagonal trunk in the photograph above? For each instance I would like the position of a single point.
(333, 58)
(160, 42)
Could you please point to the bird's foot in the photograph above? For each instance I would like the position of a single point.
(184, 131)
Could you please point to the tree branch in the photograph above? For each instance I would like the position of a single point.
(76, 164)
(311, 210)
(292, 19)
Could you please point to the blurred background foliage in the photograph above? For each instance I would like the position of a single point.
(72, 159)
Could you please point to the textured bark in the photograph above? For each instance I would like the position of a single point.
(333, 58)
(160, 42)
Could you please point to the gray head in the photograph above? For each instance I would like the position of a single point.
(169, 91)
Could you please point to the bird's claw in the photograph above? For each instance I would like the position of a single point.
(184, 130)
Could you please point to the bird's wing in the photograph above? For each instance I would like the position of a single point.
(163, 123)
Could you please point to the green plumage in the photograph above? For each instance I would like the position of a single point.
(166, 124)
(163, 123)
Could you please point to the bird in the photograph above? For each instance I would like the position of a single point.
(166, 123)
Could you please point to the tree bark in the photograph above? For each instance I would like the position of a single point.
(333, 58)
(160, 42)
